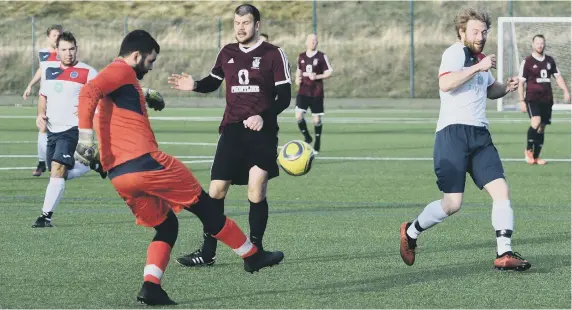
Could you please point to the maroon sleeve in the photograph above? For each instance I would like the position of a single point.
(325, 63)
(280, 67)
(553, 69)
(523, 70)
(216, 70)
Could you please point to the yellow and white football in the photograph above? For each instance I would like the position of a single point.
(296, 157)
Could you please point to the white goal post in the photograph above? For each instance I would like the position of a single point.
(514, 44)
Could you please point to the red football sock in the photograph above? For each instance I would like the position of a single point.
(235, 238)
(158, 255)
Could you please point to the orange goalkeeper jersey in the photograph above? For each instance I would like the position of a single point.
(122, 123)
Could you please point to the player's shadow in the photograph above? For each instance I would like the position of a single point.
(546, 239)
(413, 275)
(376, 284)
(546, 263)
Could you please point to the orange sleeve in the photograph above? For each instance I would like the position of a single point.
(108, 80)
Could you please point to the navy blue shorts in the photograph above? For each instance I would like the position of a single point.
(61, 147)
(463, 148)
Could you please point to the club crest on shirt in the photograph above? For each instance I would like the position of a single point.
(315, 61)
(59, 87)
(480, 79)
(548, 66)
(74, 74)
(256, 62)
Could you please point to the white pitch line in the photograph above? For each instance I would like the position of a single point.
(16, 168)
(333, 120)
(349, 158)
(17, 142)
(188, 143)
(165, 143)
(197, 161)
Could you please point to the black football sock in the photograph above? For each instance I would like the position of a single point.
(258, 218)
(539, 143)
(318, 132)
(530, 137)
(210, 242)
(207, 208)
(304, 129)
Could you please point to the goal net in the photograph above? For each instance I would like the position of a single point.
(515, 44)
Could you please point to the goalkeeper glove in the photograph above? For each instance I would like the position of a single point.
(154, 99)
(86, 150)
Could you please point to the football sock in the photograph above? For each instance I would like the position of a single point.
(258, 218)
(318, 132)
(77, 171)
(432, 215)
(503, 223)
(221, 227)
(54, 193)
(158, 255)
(303, 128)
(530, 137)
(539, 143)
(159, 250)
(234, 237)
(42, 146)
(210, 242)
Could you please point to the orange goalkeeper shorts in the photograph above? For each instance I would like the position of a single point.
(153, 184)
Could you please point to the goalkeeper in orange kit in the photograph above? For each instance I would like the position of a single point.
(153, 184)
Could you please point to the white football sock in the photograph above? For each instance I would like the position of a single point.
(503, 220)
(42, 145)
(54, 193)
(77, 171)
(432, 215)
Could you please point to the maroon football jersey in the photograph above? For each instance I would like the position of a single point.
(537, 73)
(317, 63)
(251, 75)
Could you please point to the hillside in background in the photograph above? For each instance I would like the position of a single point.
(368, 43)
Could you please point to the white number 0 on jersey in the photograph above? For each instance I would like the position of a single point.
(243, 77)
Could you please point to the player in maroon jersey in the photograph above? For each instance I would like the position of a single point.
(258, 87)
(536, 71)
(313, 67)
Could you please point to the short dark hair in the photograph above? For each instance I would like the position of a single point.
(245, 9)
(138, 41)
(66, 36)
(54, 27)
(264, 35)
(538, 36)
